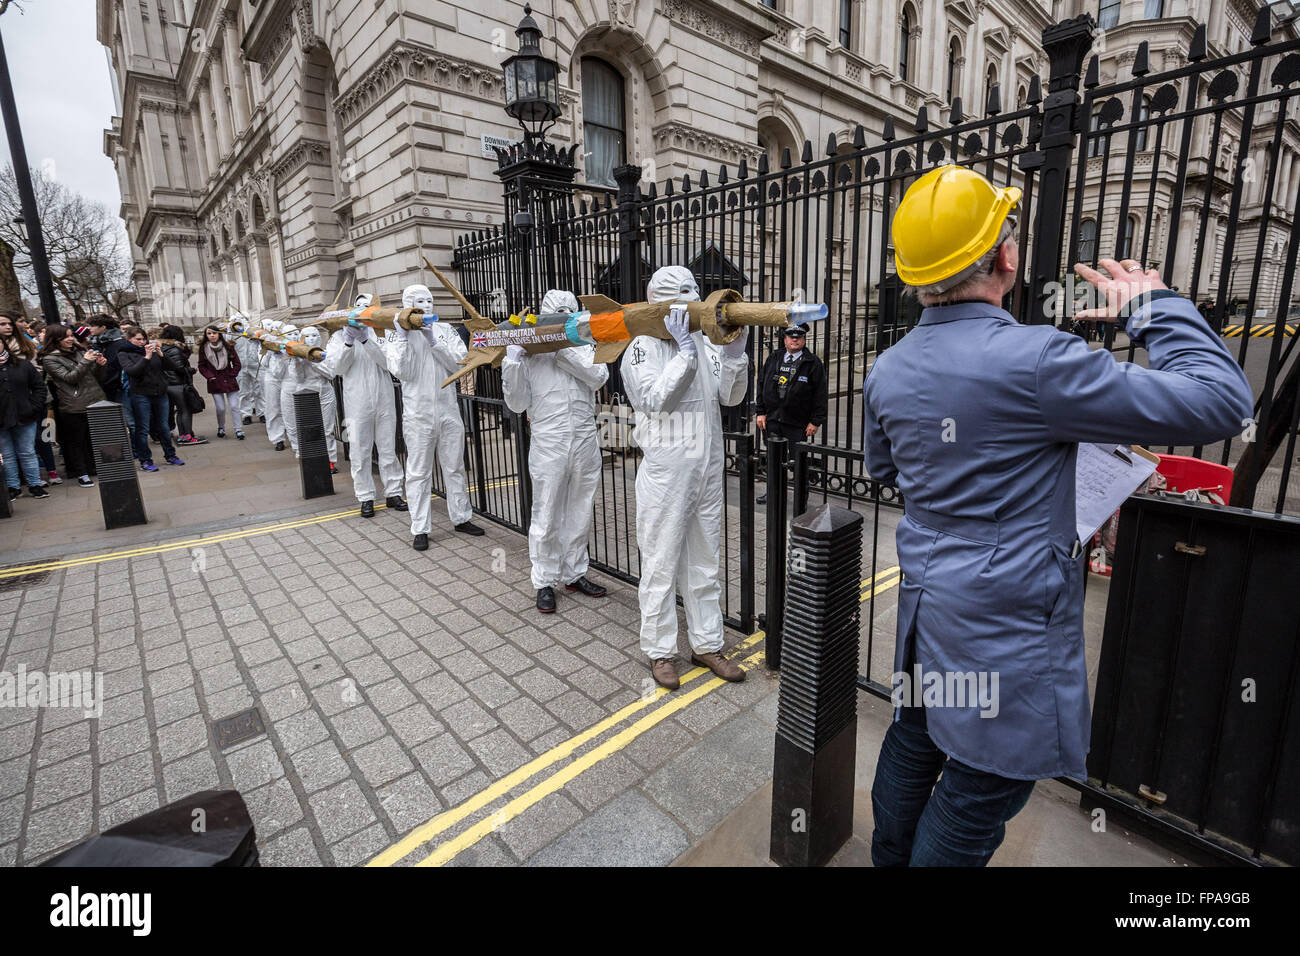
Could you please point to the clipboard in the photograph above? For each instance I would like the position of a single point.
(1104, 475)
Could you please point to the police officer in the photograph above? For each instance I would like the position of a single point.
(791, 401)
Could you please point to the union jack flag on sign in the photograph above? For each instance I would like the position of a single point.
(479, 340)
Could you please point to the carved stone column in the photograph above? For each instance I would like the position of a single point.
(235, 76)
(218, 75)
(209, 129)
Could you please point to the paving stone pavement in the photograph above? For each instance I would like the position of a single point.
(394, 686)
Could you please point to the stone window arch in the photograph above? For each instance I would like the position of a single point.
(1088, 240)
(909, 32)
(955, 62)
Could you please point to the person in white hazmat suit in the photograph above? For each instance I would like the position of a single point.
(304, 375)
(558, 391)
(270, 377)
(370, 413)
(430, 417)
(676, 388)
(250, 368)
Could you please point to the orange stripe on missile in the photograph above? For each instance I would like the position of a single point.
(609, 327)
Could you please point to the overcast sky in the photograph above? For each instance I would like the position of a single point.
(64, 94)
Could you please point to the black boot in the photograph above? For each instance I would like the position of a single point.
(279, 446)
(262, 419)
(395, 503)
(421, 542)
(469, 527)
(546, 600)
(367, 509)
(586, 587)
(248, 419)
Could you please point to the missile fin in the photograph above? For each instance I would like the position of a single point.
(476, 359)
(596, 304)
(608, 352)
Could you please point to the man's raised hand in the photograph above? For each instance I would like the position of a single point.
(1127, 279)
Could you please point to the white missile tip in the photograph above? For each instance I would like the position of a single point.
(807, 312)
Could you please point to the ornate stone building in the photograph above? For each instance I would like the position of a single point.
(1168, 27)
(281, 145)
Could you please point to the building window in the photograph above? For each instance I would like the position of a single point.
(1094, 135)
(904, 41)
(1108, 14)
(1087, 240)
(990, 81)
(954, 54)
(846, 24)
(1144, 117)
(1126, 244)
(1154, 10)
(604, 124)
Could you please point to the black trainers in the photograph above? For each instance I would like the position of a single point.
(395, 503)
(469, 527)
(367, 509)
(761, 500)
(586, 587)
(279, 446)
(39, 492)
(260, 418)
(14, 493)
(421, 542)
(248, 419)
(546, 600)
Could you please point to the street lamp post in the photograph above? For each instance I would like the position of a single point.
(23, 179)
(532, 82)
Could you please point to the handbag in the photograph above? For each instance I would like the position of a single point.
(193, 400)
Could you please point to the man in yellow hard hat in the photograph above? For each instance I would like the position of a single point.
(976, 418)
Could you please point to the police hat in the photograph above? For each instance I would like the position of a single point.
(802, 327)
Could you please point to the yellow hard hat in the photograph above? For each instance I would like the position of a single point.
(947, 221)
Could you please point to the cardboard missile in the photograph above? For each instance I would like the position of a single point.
(312, 353)
(611, 327)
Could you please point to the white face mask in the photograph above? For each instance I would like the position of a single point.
(311, 337)
(418, 297)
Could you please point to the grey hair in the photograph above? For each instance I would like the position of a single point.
(968, 283)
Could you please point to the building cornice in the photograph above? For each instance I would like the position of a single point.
(408, 62)
(684, 136)
(739, 26)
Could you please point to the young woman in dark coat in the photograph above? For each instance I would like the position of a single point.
(219, 364)
(142, 361)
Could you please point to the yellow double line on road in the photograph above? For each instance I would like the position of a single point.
(450, 849)
(61, 564)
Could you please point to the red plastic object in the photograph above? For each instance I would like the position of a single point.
(1183, 473)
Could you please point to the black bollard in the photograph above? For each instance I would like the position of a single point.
(119, 483)
(816, 724)
(313, 452)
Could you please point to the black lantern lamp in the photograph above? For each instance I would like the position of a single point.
(532, 82)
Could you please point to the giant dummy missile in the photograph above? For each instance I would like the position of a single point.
(375, 316)
(271, 342)
(611, 327)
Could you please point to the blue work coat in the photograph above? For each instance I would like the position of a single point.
(976, 418)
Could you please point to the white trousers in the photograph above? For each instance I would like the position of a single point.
(448, 442)
(363, 436)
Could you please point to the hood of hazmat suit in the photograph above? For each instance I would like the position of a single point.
(680, 482)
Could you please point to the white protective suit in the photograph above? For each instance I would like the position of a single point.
(370, 412)
(557, 390)
(680, 482)
(270, 376)
(250, 367)
(304, 375)
(430, 413)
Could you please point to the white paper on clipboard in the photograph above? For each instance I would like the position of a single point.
(1104, 475)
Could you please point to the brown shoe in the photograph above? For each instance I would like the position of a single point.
(665, 673)
(719, 665)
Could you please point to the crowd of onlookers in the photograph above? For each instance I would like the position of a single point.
(51, 374)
